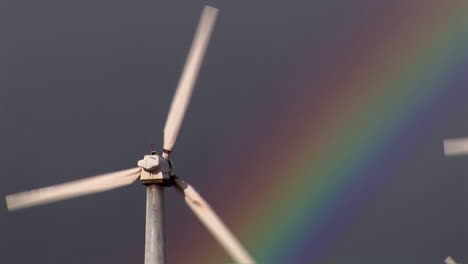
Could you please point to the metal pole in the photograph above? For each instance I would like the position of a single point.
(154, 237)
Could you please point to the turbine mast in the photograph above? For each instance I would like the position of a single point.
(154, 237)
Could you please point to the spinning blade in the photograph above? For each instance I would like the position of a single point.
(72, 189)
(455, 146)
(213, 223)
(189, 75)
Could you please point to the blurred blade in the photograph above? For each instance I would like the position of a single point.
(450, 260)
(189, 75)
(213, 223)
(455, 146)
(72, 189)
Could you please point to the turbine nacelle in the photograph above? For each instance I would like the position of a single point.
(155, 169)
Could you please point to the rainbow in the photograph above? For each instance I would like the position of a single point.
(342, 133)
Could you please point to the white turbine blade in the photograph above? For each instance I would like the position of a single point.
(214, 224)
(188, 78)
(72, 189)
(455, 146)
(449, 260)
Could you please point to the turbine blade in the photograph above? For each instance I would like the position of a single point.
(213, 223)
(72, 189)
(455, 146)
(188, 78)
(449, 260)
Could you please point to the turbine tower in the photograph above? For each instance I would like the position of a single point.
(155, 170)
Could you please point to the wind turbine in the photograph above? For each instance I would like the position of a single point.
(455, 147)
(155, 170)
